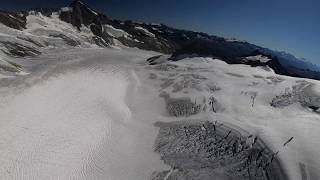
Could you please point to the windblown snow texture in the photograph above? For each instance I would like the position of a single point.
(81, 100)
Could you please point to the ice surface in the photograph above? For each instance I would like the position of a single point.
(244, 96)
(75, 123)
(72, 110)
(86, 113)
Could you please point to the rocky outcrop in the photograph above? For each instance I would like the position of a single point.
(16, 20)
(19, 50)
(211, 46)
(79, 14)
(164, 39)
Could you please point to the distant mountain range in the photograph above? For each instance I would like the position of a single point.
(156, 37)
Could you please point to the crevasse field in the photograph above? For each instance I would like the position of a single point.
(92, 113)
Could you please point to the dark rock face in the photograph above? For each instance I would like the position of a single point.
(45, 11)
(277, 67)
(16, 20)
(164, 39)
(273, 63)
(234, 52)
(66, 16)
(18, 50)
(212, 46)
(100, 41)
(152, 60)
(80, 14)
(83, 15)
(66, 39)
(28, 39)
(96, 29)
(141, 40)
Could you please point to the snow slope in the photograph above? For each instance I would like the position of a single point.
(75, 123)
(90, 113)
(82, 112)
(114, 32)
(243, 95)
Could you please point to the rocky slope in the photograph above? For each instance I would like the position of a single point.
(105, 31)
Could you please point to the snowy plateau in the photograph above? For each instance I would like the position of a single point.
(73, 106)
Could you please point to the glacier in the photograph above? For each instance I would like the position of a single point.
(71, 109)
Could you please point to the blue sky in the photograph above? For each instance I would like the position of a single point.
(289, 25)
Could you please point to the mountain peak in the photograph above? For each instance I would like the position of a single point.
(161, 38)
(77, 2)
(81, 5)
(80, 15)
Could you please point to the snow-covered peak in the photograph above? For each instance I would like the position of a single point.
(66, 9)
(235, 40)
(145, 31)
(260, 58)
(114, 32)
(102, 30)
